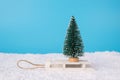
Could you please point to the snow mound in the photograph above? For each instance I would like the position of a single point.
(106, 65)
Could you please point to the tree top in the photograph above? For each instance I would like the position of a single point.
(72, 17)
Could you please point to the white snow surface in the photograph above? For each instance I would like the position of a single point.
(106, 66)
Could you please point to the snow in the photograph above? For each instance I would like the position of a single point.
(106, 66)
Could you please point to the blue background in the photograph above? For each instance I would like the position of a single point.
(39, 26)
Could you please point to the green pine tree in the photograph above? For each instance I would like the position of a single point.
(73, 45)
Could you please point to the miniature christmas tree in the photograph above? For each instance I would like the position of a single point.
(73, 45)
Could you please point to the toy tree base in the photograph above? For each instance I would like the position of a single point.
(73, 60)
